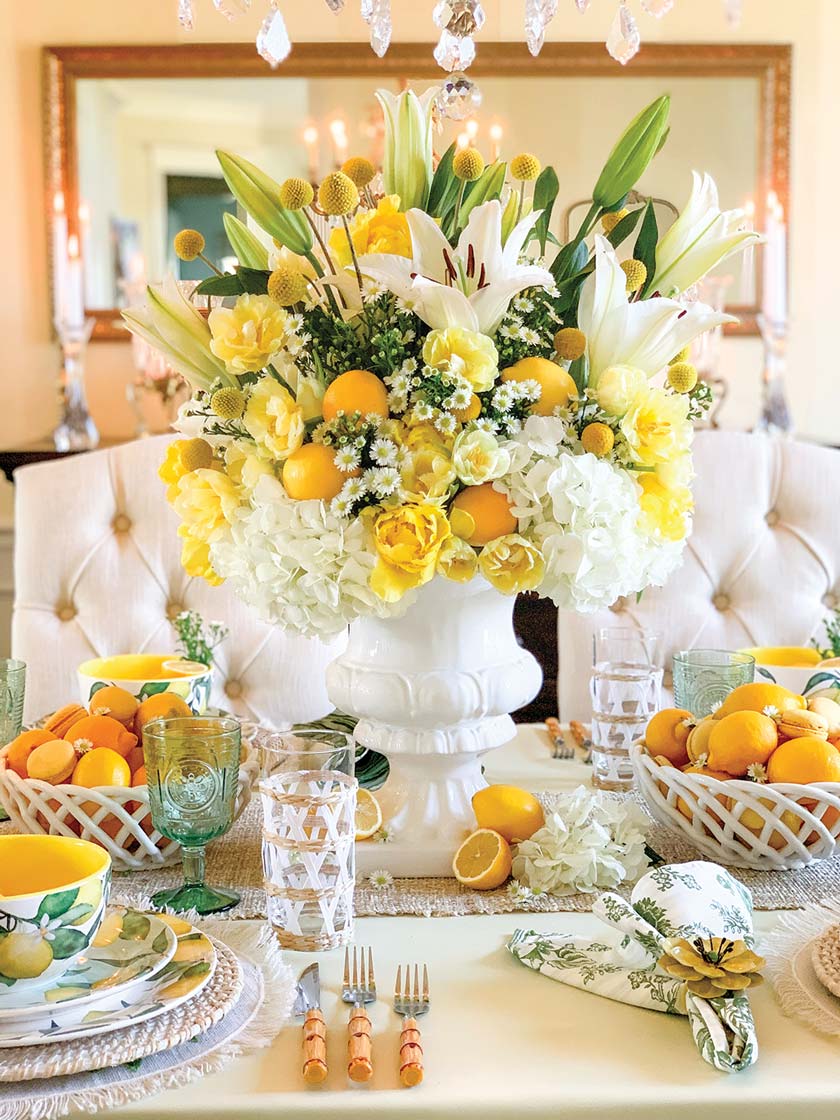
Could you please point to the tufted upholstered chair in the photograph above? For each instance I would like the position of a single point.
(97, 572)
(761, 568)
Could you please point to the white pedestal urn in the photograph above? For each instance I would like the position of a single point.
(433, 691)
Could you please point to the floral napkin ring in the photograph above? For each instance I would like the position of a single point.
(711, 966)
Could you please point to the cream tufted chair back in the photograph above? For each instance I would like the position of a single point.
(761, 568)
(97, 572)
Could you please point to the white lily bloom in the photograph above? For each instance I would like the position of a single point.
(177, 330)
(469, 286)
(646, 333)
(407, 156)
(699, 240)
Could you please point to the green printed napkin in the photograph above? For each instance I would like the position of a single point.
(687, 900)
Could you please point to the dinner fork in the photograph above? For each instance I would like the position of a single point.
(411, 1001)
(359, 990)
(559, 747)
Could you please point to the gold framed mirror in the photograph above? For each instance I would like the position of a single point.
(130, 131)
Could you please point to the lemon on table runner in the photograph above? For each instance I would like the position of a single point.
(483, 861)
(368, 815)
(513, 813)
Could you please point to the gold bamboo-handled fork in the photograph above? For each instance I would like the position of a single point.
(411, 1001)
(357, 990)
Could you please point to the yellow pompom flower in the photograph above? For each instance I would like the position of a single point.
(683, 356)
(656, 427)
(196, 454)
(383, 230)
(407, 540)
(512, 564)
(228, 403)
(177, 463)
(286, 285)
(664, 510)
(359, 169)
(682, 377)
(525, 167)
(338, 194)
(457, 560)
(598, 439)
(188, 244)
(570, 344)
(195, 558)
(248, 335)
(274, 419)
(610, 221)
(468, 165)
(636, 273)
(468, 353)
(295, 194)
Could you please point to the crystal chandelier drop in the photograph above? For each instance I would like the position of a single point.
(458, 21)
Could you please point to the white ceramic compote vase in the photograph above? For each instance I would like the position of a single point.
(433, 691)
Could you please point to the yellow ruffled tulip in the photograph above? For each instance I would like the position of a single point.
(427, 475)
(383, 230)
(665, 510)
(457, 560)
(205, 502)
(408, 540)
(512, 564)
(468, 353)
(656, 427)
(195, 558)
(173, 468)
(274, 418)
(247, 336)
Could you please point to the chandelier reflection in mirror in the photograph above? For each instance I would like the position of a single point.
(457, 22)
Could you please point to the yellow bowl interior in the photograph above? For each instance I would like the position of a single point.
(34, 864)
(791, 657)
(134, 667)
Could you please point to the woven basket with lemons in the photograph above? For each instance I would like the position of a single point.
(755, 785)
(81, 773)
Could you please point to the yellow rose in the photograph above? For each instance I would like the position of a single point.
(274, 419)
(512, 564)
(206, 502)
(407, 540)
(664, 509)
(383, 230)
(457, 560)
(464, 352)
(243, 467)
(618, 387)
(195, 558)
(656, 427)
(427, 475)
(173, 468)
(477, 457)
(248, 335)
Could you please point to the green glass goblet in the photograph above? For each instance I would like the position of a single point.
(192, 769)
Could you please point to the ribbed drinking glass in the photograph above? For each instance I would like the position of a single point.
(703, 678)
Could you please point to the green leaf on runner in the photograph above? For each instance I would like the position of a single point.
(54, 905)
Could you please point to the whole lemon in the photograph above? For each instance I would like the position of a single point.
(741, 740)
(357, 390)
(756, 697)
(556, 385)
(310, 472)
(804, 760)
(489, 511)
(513, 813)
(667, 734)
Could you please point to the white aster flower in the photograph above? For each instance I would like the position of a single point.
(446, 423)
(485, 424)
(354, 488)
(341, 506)
(346, 459)
(504, 398)
(380, 879)
(460, 397)
(383, 452)
(382, 481)
(519, 894)
(421, 412)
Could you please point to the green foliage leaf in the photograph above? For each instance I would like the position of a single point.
(545, 193)
(645, 248)
(152, 688)
(160, 942)
(444, 189)
(96, 687)
(570, 260)
(484, 189)
(248, 248)
(579, 372)
(66, 942)
(54, 905)
(135, 926)
(253, 280)
(227, 285)
(625, 227)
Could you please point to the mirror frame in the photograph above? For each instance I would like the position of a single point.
(64, 66)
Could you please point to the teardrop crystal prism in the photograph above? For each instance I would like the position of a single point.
(733, 10)
(538, 15)
(366, 10)
(459, 17)
(657, 8)
(186, 14)
(582, 5)
(459, 97)
(231, 9)
(273, 43)
(623, 41)
(380, 26)
(335, 5)
(454, 52)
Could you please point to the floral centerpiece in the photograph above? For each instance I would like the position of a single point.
(412, 379)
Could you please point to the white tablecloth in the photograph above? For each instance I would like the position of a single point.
(503, 1042)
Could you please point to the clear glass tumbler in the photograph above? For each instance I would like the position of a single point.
(12, 693)
(703, 678)
(192, 770)
(625, 687)
(308, 796)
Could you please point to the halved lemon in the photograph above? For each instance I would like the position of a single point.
(483, 861)
(368, 815)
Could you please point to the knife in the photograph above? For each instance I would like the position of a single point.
(308, 1004)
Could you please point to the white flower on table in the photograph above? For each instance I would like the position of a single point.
(380, 879)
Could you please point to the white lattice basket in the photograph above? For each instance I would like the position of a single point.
(113, 816)
(774, 827)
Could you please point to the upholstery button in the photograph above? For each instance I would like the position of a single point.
(721, 601)
(122, 523)
(831, 601)
(772, 518)
(233, 690)
(67, 613)
(173, 610)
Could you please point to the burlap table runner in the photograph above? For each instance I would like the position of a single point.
(234, 861)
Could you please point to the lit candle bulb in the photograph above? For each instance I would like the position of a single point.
(59, 254)
(471, 128)
(774, 303)
(495, 141)
(338, 132)
(74, 306)
(84, 236)
(463, 139)
(310, 139)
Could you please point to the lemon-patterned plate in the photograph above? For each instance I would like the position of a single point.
(128, 947)
(189, 968)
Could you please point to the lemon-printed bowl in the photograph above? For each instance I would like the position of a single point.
(147, 674)
(53, 891)
(798, 668)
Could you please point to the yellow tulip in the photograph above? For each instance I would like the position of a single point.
(407, 540)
